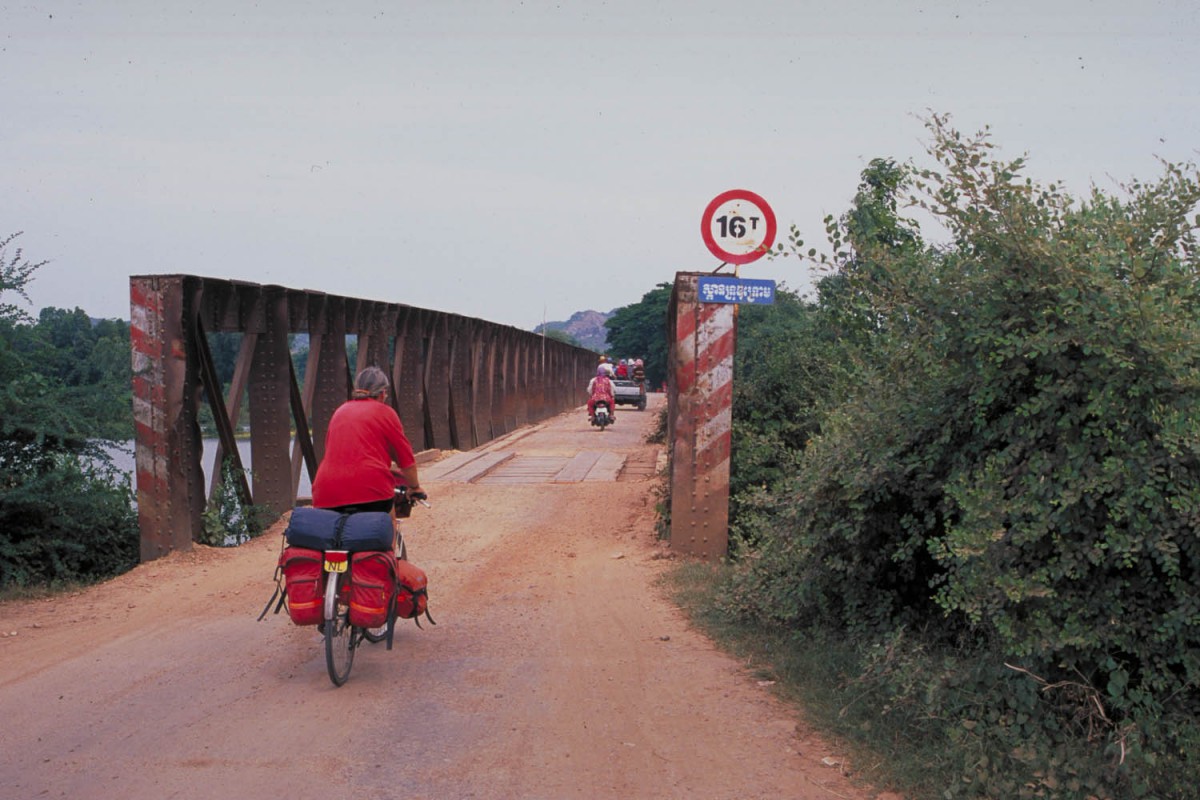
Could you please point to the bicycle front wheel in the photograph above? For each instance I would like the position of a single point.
(339, 638)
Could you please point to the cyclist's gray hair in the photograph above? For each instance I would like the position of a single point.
(371, 382)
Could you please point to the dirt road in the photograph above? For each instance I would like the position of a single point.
(556, 669)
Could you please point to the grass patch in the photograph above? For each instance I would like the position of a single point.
(815, 676)
(14, 593)
(933, 722)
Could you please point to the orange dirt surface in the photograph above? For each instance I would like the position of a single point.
(557, 668)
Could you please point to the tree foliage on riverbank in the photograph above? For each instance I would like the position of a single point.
(980, 460)
(639, 330)
(65, 514)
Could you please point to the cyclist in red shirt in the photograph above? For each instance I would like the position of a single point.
(366, 452)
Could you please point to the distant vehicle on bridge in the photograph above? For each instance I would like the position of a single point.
(628, 392)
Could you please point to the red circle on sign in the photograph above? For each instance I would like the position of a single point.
(758, 248)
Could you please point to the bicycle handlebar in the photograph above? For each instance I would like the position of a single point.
(402, 496)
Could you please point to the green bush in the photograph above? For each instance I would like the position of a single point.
(227, 522)
(73, 522)
(1011, 466)
(65, 515)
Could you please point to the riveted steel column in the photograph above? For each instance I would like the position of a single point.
(326, 364)
(538, 402)
(533, 394)
(521, 380)
(437, 381)
(466, 365)
(513, 380)
(478, 395)
(409, 383)
(270, 404)
(170, 483)
(566, 390)
(505, 363)
(700, 409)
(375, 329)
(495, 375)
(459, 373)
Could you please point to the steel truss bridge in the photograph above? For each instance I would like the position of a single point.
(459, 382)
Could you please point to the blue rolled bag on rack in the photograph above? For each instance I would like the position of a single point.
(323, 529)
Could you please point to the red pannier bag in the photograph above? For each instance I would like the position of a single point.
(412, 594)
(372, 587)
(303, 584)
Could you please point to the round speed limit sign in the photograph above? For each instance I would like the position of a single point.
(738, 226)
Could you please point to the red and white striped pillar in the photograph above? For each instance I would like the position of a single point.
(170, 483)
(700, 418)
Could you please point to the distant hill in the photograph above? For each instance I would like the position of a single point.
(586, 326)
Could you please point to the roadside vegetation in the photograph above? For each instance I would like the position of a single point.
(966, 483)
(639, 330)
(66, 516)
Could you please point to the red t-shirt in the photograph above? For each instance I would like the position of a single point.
(364, 438)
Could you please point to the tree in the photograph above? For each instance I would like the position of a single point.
(90, 361)
(65, 514)
(224, 347)
(560, 336)
(639, 330)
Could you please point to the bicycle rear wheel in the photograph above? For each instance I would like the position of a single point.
(339, 638)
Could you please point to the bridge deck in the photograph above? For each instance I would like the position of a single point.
(505, 467)
(561, 450)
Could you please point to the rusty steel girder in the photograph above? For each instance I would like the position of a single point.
(458, 383)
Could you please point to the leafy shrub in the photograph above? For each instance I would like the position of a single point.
(227, 522)
(65, 514)
(72, 522)
(1013, 466)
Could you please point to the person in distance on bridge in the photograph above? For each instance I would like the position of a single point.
(600, 388)
(366, 452)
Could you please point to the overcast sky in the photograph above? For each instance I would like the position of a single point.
(514, 160)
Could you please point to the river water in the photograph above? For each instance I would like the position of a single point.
(122, 458)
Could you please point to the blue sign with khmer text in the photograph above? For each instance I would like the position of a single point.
(728, 289)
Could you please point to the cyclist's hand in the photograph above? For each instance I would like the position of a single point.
(419, 495)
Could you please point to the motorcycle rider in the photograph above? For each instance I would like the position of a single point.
(600, 388)
(366, 453)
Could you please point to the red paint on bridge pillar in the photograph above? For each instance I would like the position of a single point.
(169, 491)
(700, 417)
